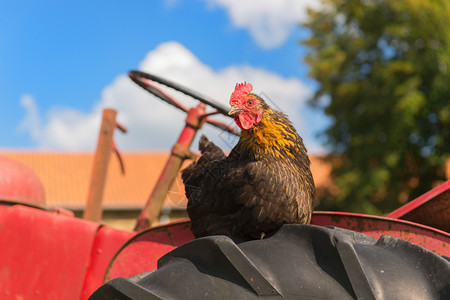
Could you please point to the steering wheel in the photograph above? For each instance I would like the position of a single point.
(145, 80)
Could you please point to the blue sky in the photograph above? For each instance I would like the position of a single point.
(62, 62)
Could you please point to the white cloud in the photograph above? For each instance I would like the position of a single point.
(153, 124)
(32, 121)
(270, 22)
(65, 128)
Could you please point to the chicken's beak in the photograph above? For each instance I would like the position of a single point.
(234, 110)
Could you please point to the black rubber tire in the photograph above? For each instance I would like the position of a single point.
(296, 262)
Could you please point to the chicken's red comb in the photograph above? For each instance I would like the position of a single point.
(241, 90)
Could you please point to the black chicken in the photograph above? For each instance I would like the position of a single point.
(263, 183)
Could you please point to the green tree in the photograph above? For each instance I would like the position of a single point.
(383, 68)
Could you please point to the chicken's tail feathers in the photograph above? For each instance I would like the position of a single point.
(205, 146)
(204, 143)
(196, 171)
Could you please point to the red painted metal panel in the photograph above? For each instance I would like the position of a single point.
(107, 242)
(432, 208)
(427, 237)
(19, 183)
(43, 255)
(3, 214)
(142, 252)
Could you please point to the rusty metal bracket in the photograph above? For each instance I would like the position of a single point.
(180, 151)
(105, 146)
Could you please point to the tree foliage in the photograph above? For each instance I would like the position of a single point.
(384, 72)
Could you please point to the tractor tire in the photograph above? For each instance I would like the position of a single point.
(296, 262)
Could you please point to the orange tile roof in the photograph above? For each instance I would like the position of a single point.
(66, 178)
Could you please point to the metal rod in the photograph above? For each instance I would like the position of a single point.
(93, 211)
(180, 151)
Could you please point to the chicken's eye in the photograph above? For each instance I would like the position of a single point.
(250, 102)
